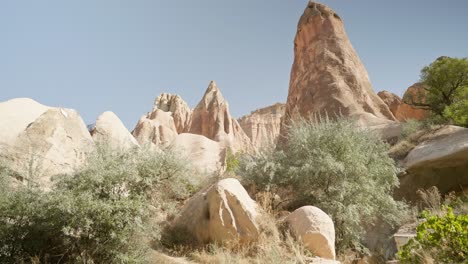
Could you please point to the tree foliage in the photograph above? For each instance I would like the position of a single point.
(335, 166)
(458, 111)
(444, 80)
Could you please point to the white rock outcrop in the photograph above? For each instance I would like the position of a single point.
(223, 212)
(181, 112)
(110, 130)
(315, 229)
(15, 115)
(206, 155)
(156, 129)
(54, 142)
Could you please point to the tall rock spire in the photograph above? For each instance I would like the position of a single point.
(327, 76)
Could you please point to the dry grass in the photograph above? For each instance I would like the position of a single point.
(400, 150)
(274, 245)
(431, 199)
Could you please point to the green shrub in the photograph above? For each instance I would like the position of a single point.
(444, 238)
(104, 213)
(232, 161)
(335, 166)
(410, 127)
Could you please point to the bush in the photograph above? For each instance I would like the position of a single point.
(101, 214)
(442, 238)
(410, 127)
(335, 166)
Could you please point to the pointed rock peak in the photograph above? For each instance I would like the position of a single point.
(318, 9)
(212, 94)
(212, 86)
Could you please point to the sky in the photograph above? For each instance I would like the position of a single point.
(119, 55)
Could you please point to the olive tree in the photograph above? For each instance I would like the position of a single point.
(335, 166)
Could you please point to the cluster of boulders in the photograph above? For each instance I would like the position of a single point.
(224, 212)
(406, 108)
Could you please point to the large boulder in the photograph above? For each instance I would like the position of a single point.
(415, 95)
(156, 129)
(56, 142)
(111, 131)
(440, 159)
(404, 109)
(16, 115)
(211, 118)
(206, 155)
(179, 109)
(262, 126)
(221, 213)
(315, 229)
(327, 76)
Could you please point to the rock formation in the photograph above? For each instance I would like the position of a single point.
(55, 141)
(262, 126)
(180, 110)
(414, 94)
(156, 129)
(206, 155)
(211, 118)
(392, 100)
(223, 212)
(327, 76)
(111, 131)
(402, 109)
(315, 229)
(440, 159)
(16, 115)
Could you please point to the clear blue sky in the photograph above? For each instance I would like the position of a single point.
(98, 55)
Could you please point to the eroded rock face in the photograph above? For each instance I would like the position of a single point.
(56, 142)
(211, 118)
(403, 109)
(262, 126)
(156, 129)
(315, 229)
(414, 94)
(206, 155)
(181, 112)
(223, 212)
(110, 130)
(327, 76)
(441, 160)
(392, 100)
